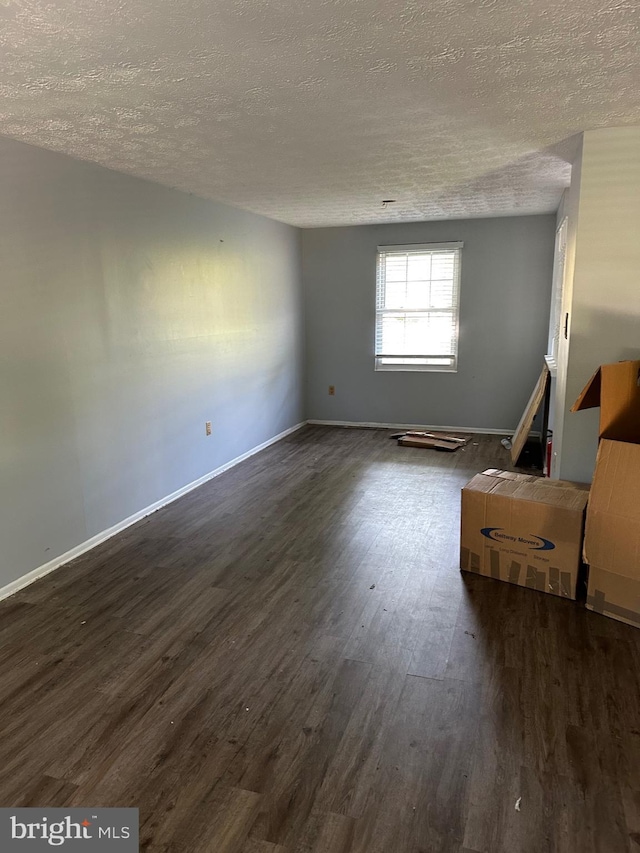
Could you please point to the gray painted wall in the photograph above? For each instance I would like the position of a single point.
(507, 268)
(130, 314)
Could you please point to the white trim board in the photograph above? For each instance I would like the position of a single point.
(372, 425)
(63, 559)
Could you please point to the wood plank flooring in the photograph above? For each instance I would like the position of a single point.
(288, 660)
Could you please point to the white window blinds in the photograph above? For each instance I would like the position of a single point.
(417, 298)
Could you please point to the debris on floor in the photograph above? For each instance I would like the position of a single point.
(433, 440)
(518, 801)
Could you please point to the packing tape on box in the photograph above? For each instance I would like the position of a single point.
(599, 604)
(560, 583)
(494, 563)
(531, 578)
(469, 560)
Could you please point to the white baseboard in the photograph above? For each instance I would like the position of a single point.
(439, 427)
(65, 558)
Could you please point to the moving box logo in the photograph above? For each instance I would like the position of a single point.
(533, 543)
(103, 830)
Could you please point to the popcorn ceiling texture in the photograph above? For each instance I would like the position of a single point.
(312, 112)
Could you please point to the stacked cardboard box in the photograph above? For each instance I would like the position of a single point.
(529, 530)
(523, 529)
(612, 535)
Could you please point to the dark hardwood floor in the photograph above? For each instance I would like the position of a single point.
(288, 660)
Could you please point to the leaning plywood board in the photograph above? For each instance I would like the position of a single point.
(524, 427)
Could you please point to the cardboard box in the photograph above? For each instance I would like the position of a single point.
(615, 388)
(612, 537)
(523, 529)
(612, 534)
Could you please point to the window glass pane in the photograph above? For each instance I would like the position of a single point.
(417, 295)
(419, 334)
(406, 294)
(442, 266)
(395, 294)
(441, 294)
(440, 333)
(396, 268)
(419, 267)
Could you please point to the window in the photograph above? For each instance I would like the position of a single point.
(417, 297)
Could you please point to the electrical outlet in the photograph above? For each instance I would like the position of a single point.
(207, 427)
(332, 390)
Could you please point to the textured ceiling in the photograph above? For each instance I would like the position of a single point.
(313, 111)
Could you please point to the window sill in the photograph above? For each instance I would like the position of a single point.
(552, 364)
(406, 368)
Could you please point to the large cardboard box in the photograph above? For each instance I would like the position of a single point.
(615, 388)
(523, 529)
(612, 534)
(612, 537)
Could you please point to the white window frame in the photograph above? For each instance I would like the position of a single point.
(418, 248)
